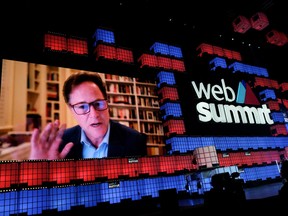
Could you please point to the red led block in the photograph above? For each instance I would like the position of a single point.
(235, 158)
(130, 167)
(236, 55)
(124, 55)
(270, 156)
(167, 164)
(257, 157)
(9, 174)
(247, 158)
(241, 24)
(55, 42)
(77, 46)
(277, 38)
(285, 103)
(184, 162)
(111, 167)
(105, 51)
(174, 126)
(273, 105)
(218, 51)
(274, 84)
(87, 169)
(259, 21)
(62, 172)
(148, 60)
(204, 48)
(168, 93)
(265, 82)
(33, 173)
(227, 54)
(178, 65)
(277, 130)
(164, 62)
(224, 160)
(284, 87)
(149, 166)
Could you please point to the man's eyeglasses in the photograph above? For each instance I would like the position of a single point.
(84, 108)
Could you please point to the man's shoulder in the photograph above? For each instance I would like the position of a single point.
(119, 126)
(125, 131)
(72, 131)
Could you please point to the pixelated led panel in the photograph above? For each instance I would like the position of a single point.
(164, 62)
(103, 36)
(266, 82)
(178, 65)
(55, 42)
(148, 60)
(105, 51)
(276, 37)
(208, 49)
(241, 24)
(278, 129)
(86, 170)
(125, 55)
(77, 46)
(273, 105)
(160, 48)
(9, 174)
(284, 87)
(174, 126)
(33, 173)
(204, 48)
(168, 94)
(206, 157)
(165, 77)
(259, 21)
(166, 50)
(61, 171)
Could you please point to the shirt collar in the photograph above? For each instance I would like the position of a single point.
(84, 139)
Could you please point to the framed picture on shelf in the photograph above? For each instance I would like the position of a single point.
(150, 115)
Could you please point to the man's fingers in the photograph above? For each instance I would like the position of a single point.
(45, 145)
(66, 150)
(54, 131)
(61, 130)
(35, 137)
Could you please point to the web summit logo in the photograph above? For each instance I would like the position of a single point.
(226, 112)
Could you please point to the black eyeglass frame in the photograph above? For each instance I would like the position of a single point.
(93, 103)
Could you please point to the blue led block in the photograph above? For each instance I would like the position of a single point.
(171, 109)
(33, 201)
(250, 69)
(175, 51)
(103, 35)
(278, 117)
(160, 48)
(63, 198)
(217, 63)
(88, 195)
(164, 77)
(9, 203)
(267, 94)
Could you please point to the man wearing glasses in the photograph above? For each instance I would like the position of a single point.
(96, 135)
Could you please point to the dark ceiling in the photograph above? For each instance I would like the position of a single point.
(138, 24)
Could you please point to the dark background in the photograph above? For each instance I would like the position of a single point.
(137, 25)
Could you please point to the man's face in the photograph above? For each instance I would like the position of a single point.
(94, 123)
